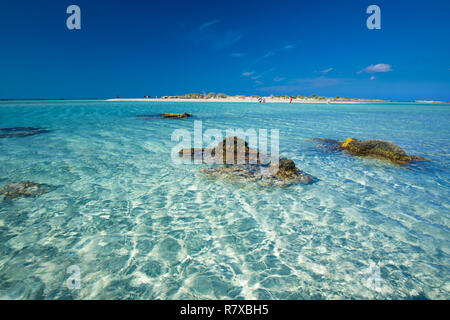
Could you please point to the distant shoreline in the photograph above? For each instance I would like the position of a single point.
(268, 100)
(430, 101)
(233, 99)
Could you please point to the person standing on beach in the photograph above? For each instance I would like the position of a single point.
(290, 99)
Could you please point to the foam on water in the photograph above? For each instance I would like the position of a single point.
(141, 227)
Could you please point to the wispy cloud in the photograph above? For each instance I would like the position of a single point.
(297, 85)
(273, 52)
(215, 38)
(208, 24)
(372, 78)
(256, 76)
(326, 71)
(226, 40)
(237, 55)
(376, 68)
(320, 82)
(290, 46)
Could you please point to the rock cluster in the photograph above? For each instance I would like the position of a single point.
(244, 164)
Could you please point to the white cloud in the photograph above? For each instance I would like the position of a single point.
(375, 68)
(227, 39)
(237, 55)
(208, 24)
(256, 75)
(372, 78)
(326, 71)
(217, 39)
(278, 79)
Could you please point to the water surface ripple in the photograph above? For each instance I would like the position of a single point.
(141, 227)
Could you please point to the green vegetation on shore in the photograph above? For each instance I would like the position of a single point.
(213, 95)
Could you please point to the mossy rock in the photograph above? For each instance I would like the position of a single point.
(175, 115)
(165, 115)
(378, 149)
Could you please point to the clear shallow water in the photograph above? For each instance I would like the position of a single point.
(141, 227)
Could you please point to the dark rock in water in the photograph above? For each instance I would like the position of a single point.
(373, 148)
(24, 189)
(286, 169)
(11, 132)
(377, 149)
(231, 150)
(287, 165)
(175, 115)
(244, 164)
(164, 115)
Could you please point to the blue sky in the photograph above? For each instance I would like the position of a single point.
(135, 48)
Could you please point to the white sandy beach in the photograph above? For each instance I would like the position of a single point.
(235, 99)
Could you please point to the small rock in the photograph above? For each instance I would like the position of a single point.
(165, 115)
(11, 132)
(24, 189)
(175, 115)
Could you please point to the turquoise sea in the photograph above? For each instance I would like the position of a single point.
(139, 226)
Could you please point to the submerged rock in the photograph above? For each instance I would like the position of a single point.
(263, 176)
(327, 145)
(164, 115)
(11, 132)
(244, 164)
(24, 189)
(373, 148)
